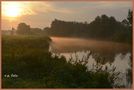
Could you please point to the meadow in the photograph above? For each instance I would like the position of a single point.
(28, 63)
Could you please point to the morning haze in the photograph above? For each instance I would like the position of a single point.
(41, 14)
(65, 44)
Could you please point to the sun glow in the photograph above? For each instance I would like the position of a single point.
(11, 9)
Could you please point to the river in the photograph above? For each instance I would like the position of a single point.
(116, 54)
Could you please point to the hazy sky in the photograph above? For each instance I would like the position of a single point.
(41, 14)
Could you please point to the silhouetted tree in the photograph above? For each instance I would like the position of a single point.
(103, 27)
(130, 17)
(125, 22)
(23, 28)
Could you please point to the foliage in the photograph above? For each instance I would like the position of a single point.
(23, 29)
(36, 67)
(130, 17)
(103, 27)
(129, 74)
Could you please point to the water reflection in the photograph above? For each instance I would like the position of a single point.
(120, 61)
(109, 54)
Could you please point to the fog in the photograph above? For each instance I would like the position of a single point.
(64, 45)
(117, 54)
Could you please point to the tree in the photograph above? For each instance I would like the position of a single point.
(97, 19)
(104, 18)
(130, 17)
(23, 28)
(125, 22)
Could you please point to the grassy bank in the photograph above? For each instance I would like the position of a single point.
(27, 63)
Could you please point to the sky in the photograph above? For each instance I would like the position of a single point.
(40, 14)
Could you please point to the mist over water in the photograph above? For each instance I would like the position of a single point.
(62, 45)
(116, 54)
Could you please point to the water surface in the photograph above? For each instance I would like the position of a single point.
(113, 54)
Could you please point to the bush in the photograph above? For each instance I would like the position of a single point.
(36, 67)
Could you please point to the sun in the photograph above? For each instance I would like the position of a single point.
(11, 9)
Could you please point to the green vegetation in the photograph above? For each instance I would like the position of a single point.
(23, 29)
(102, 27)
(29, 58)
(27, 62)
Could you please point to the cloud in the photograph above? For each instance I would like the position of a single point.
(47, 7)
(42, 13)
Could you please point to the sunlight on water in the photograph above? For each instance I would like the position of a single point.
(112, 54)
(121, 62)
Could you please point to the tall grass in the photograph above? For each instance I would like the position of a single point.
(30, 59)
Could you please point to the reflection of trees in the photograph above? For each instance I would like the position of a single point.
(98, 70)
(38, 68)
(103, 58)
(129, 73)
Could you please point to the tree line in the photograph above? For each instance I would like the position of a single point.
(102, 27)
